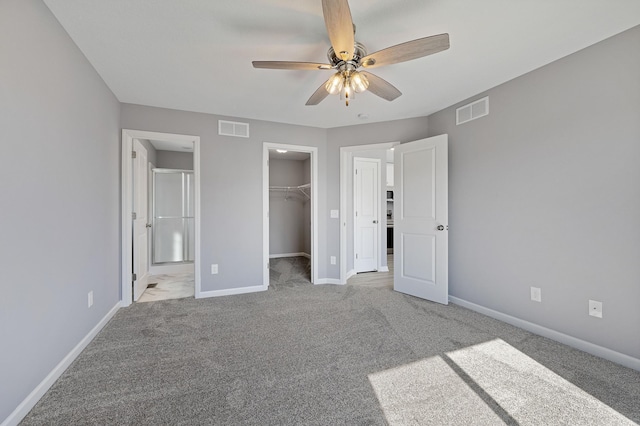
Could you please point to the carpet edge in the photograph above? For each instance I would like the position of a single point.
(32, 399)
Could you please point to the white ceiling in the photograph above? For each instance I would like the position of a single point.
(196, 55)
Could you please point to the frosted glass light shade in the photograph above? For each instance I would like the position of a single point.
(359, 82)
(335, 83)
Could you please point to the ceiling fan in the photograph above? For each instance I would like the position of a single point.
(346, 56)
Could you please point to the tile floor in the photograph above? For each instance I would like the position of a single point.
(173, 286)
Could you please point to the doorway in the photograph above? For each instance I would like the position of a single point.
(170, 150)
(293, 192)
(420, 215)
(289, 219)
(348, 155)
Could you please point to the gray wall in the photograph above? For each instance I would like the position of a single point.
(174, 160)
(231, 178)
(59, 126)
(289, 214)
(545, 192)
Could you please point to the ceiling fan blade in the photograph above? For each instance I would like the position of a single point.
(407, 51)
(381, 87)
(319, 95)
(337, 18)
(285, 65)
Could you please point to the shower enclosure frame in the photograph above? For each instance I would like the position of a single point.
(185, 225)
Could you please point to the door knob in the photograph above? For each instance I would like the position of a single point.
(375, 221)
(148, 225)
(440, 228)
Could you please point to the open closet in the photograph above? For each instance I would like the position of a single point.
(289, 219)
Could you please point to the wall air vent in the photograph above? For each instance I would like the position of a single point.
(233, 128)
(471, 111)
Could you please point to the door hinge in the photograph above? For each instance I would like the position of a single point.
(356, 255)
(268, 265)
(133, 154)
(356, 214)
(134, 277)
(134, 216)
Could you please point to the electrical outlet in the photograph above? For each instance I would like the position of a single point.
(333, 260)
(214, 269)
(595, 308)
(90, 299)
(536, 294)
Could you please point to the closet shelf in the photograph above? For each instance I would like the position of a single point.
(300, 189)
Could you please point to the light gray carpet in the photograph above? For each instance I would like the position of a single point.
(288, 272)
(330, 355)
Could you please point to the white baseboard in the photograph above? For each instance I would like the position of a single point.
(328, 281)
(28, 403)
(574, 342)
(181, 268)
(308, 256)
(231, 291)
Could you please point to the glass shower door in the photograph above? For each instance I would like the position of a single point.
(173, 216)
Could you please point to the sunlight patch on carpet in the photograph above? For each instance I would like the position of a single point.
(488, 383)
(429, 392)
(528, 390)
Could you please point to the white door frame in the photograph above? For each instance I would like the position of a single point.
(378, 210)
(128, 136)
(313, 152)
(346, 165)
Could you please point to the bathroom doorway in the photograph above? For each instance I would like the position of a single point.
(172, 242)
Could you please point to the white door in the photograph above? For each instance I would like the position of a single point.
(140, 220)
(421, 236)
(366, 206)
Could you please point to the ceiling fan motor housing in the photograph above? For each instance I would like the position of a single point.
(359, 52)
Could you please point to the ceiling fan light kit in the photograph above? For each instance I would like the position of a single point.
(347, 81)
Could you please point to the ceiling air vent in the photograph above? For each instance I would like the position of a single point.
(471, 111)
(233, 128)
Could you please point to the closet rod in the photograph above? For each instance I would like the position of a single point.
(304, 189)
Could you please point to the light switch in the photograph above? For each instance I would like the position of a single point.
(536, 294)
(335, 214)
